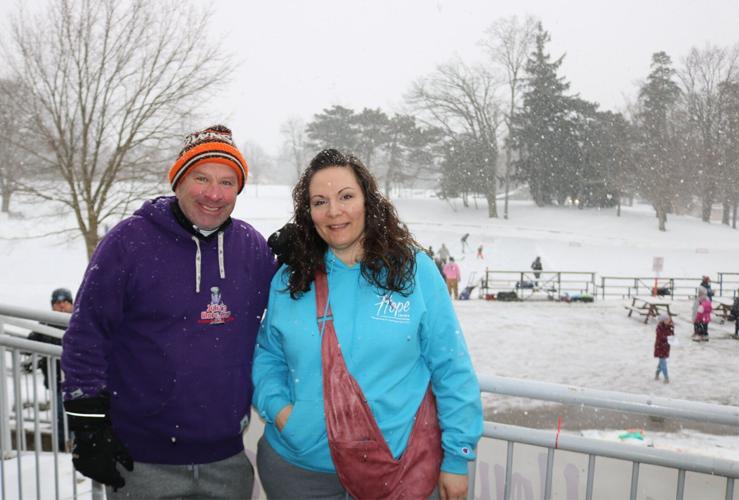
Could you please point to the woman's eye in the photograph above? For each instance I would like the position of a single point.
(317, 203)
(347, 196)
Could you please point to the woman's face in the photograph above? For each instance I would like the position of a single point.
(337, 210)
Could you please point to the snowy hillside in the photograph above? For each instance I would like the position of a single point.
(590, 345)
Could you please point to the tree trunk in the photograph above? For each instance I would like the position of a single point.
(725, 212)
(733, 216)
(6, 201)
(618, 207)
(91, 241)
(507, 181)
(662, 218)
(707, 205)
(492, 204)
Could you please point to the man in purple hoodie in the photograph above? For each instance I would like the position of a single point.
(157, 357)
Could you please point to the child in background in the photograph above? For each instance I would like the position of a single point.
(702, 315)
(665, 328)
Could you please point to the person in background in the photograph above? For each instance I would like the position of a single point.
(157, 356)
(479, 252)
(735, 314)
(452, 275)
(665, 328)
(357, 279)
(439, 265)
(444, 253)
(536, 267)
(702, 309)
(706, 283)
(61, 301)
(463, 240)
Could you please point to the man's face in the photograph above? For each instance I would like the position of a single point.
(62, 306)
(207, 195)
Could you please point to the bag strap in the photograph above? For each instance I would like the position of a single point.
(323, 307)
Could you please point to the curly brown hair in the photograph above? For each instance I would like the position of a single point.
(389, 250)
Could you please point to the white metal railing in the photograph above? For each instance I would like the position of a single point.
(17, 388)
(624, 402)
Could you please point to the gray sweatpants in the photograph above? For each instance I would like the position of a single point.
(232, 478)
(282, 480)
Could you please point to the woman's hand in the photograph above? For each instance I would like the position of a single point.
(452, 486)
(282, 417)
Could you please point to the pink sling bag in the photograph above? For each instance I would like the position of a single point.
(362, 458)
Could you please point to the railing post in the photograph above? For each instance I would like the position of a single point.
(471, 472)
(20, 432)
(591, 477)
(508, 471)
(5, 416)
(634, 480)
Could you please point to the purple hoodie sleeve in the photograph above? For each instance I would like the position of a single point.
(97, 311)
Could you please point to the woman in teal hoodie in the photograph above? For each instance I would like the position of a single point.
(396, 330)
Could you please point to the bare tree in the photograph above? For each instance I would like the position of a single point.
(461, 100)
(508, 44)
(262, 169)
(294, 143)
(112, 82)
(703, 72)
(13, 167)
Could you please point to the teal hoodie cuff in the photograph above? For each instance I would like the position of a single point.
(454, 464)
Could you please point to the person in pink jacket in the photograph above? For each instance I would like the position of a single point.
(452, 276)
(702, 317)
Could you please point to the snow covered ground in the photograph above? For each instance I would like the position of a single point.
(590, 345)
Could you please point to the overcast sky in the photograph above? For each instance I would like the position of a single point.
(297, 57)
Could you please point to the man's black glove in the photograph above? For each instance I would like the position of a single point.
(96, 447)
(282, 243)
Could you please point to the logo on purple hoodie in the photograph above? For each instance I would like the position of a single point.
(216, 313)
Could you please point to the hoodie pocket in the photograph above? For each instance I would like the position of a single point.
(305, 427)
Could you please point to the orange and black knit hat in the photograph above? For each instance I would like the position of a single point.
(214, 144)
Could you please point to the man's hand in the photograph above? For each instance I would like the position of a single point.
(281, 418)
(452, 486)
(282, 243)
(96, 447)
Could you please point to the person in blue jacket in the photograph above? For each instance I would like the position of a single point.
(395, 325)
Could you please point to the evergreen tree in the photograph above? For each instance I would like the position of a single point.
(334, 128)
(409, 150)
(659, 152)
(541, 128)
(371, 131)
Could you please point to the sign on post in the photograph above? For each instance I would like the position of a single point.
(657, 263)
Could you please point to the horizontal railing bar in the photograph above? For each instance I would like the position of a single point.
(33, 326)
(51, 317)
(643, 454)
(613, 400)
(26, 345)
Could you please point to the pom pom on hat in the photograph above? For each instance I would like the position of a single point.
(214, 144)
(663, 317)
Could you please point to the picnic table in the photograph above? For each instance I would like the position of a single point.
(722, 307)
(649, 307)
